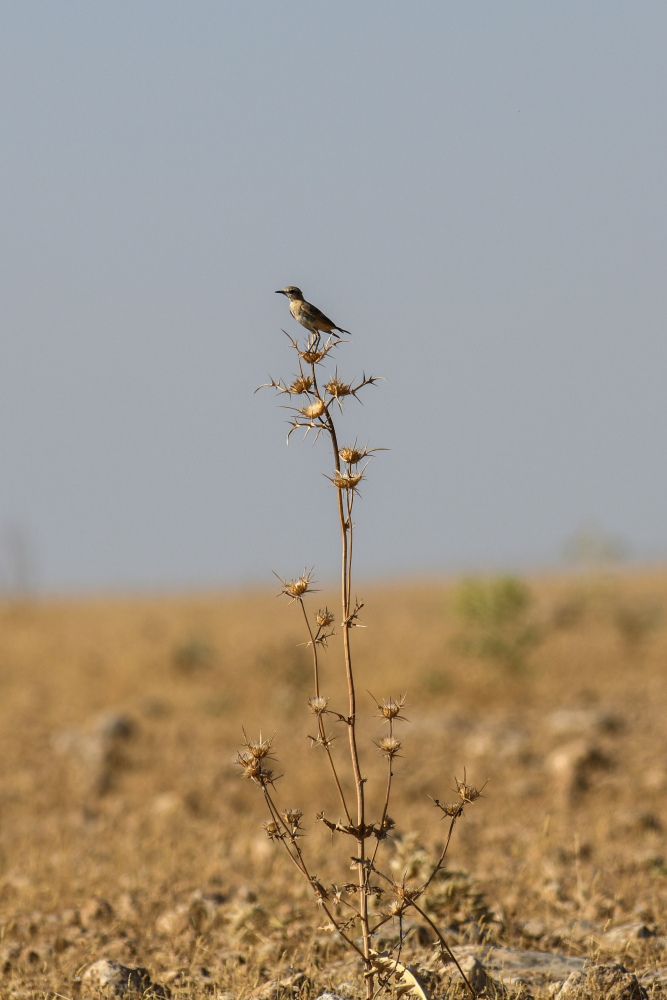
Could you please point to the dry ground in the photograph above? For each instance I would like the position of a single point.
(127, 834)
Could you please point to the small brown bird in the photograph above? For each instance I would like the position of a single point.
(307, 314)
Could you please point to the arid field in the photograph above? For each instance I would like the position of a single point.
(129, 834)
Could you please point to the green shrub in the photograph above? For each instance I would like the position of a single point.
(496, 614)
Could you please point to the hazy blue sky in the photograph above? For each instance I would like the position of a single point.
(476, 189)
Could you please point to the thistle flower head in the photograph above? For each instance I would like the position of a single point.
(272, 830)
(352, 456)
(391, 708)
(298, 587)
(292, 818)
(314, 351)
(315, 409)
(338, 389)
(406, 894)
(318, 704)
(324, 618)
(254, 769)
(468, 793)
(453, 809)
(258, 748)
(396, 907)
(389, 746)
(346, 480)
(303, 383)
(245, 760)
(312, 356)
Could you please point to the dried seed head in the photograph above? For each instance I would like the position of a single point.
(352, 456)
(315, 409)
(254, 769)
(389, 824)
(250, 759)
(346, 481)
(272, 829)
(467, 792)
(321, 894)
(390, 709)
(338, 389)
(396, 907)
(389, 746)
(453, 809)
(318, 704)
(292, 818)
(406, 894)
(312, 356)
(300, 385)
(245, 760)
(296, 588)
(259, 748)
(324, 618)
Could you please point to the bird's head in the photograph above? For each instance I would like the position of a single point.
(292, 292)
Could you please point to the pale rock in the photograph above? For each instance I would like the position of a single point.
(173, 922)
(202, 975)
(8, 955)
(534, 929)
(625, 933)
(572, 766)
(609, 981)
(35, 954)
(126, 906)
(205, 911)
(500, 740)
(579, 931)
(122, 980)
(655, 778)
(583, 721)
(167, 804)
(175, 977)
(563, 990)
(474, 972)
(95, 753)
(294, 984)
(96, 911)
(513, 965)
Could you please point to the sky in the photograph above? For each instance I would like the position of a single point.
(475, 190)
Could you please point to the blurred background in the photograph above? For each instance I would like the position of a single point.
(475, 190)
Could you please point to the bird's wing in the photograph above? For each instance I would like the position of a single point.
(315, 314)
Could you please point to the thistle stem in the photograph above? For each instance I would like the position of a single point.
(323, 738)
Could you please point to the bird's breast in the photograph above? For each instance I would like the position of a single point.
(300, 314)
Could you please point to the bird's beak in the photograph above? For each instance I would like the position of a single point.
(279, 291)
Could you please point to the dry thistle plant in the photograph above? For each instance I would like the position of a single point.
(356, 910)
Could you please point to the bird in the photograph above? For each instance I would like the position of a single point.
(309, 315)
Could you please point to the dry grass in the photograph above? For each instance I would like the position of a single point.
(148, 848)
